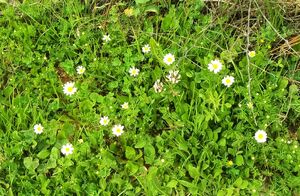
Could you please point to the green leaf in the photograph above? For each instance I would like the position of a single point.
(239, 160)
(141, 1)
(193, 171)
(141, 143)
(170, 21)
(172, 184)
(149, 152)
(187, 184)
(130, 153)
(152, 8)
(222, 142)
(113, 85)
(43, 154)
(31, 164)
(217, 172)
(221, 193)
(238, 182)
(132, 168)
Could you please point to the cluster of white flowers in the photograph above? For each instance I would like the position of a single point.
(158, 86)
(173, 76)
(216, 66)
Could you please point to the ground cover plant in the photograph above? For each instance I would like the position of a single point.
(149, 97)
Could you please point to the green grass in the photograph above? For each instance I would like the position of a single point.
(196, 137)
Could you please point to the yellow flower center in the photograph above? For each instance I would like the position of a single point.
(70, 89)
(39, 128)
(260, 136)
(227, 81)
(133, 72)
(215, 66)
(67, 149)
(170, 59)
(118, 130)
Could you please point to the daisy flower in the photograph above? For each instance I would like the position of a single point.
(173, 77)
(169, 59)
(67, 149)
(104, 120)
(158, 86)
(215, 66)
(106, 38)
(146, 49)
(252, 54)
(38, 128)
(118, 130)
(80, 69)
(134, 71)
(125, 106)
(69, 88)
(260, 136)
(228, 81)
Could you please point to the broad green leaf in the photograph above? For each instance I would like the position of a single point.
(43, 154)
(31, 164)
(149, 152)
(130, 153)
(193, 171)
(238, 182)
(172, 184)
(239, 160)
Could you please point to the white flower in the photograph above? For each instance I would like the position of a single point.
(80, 69)
(228, 81)
(260, 136)
(173, 77)
(106, 38)
(215, 66)
(146, 49)
(158, 86)
(134, 71)
(252, 54)
(125, 106)
(67, 149)
(104, 120)
(69, 88)
(38, 128)
(118, 130)
(169, 59)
